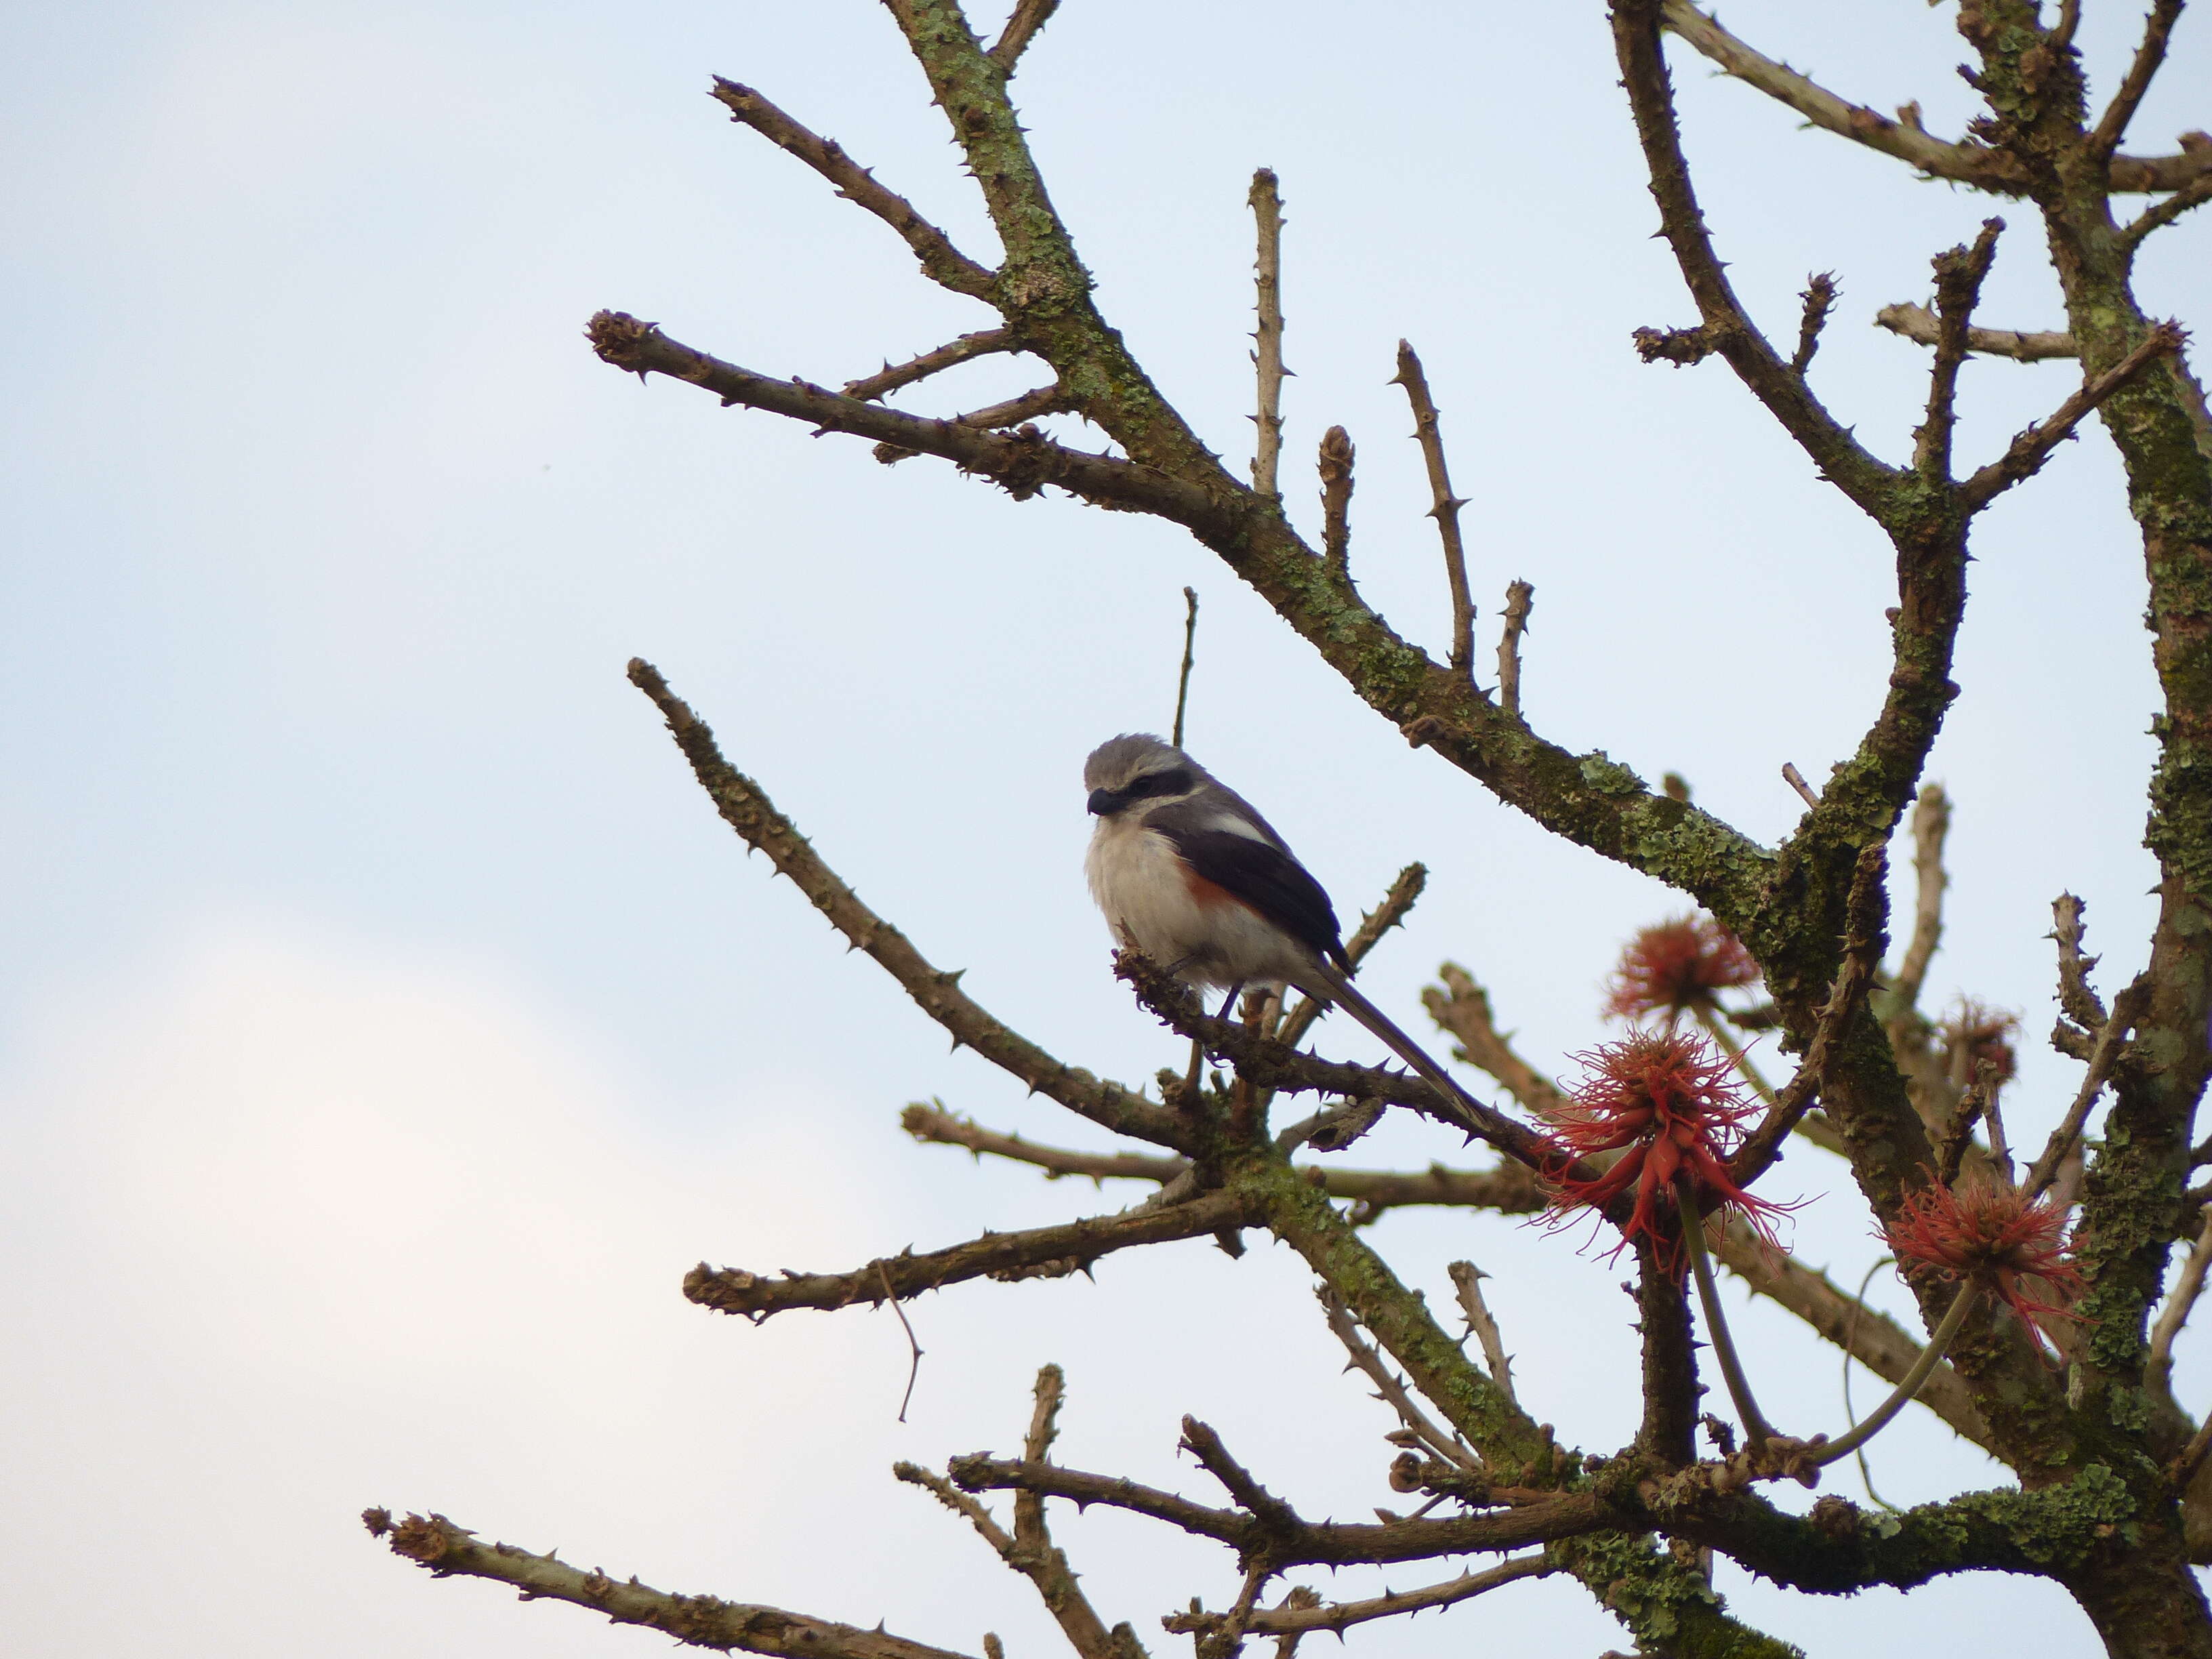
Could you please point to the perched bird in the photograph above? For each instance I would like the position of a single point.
(1188, 874)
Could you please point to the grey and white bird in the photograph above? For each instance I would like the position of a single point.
(1188, 874)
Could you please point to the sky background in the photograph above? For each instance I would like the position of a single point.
(391, 1023)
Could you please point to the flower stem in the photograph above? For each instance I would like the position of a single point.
(1923, 1368)
(1734, 1051)
(1756, 1430)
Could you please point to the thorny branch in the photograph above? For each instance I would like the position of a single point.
(1446, 507)
(1267, 358)
(1342, 1615)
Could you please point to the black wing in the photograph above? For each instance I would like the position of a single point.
(1263, 876)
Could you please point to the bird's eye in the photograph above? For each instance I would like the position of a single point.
(1177, 781)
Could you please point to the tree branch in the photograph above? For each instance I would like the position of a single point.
(1035, 1253)
(1931, 823)
(1918, 323)
(943, 264)
(1335, 465)
(2112, 126)
(1967, 163)
(1446, 507)
(1341, 1615)
(2026, 455)
(1519, 597)
(1959, 276)
(702, 1621)
(1391, 1388)
(1267, 211)
(966, 349)
(749, 811)
(1397, 905)
(1029, 16)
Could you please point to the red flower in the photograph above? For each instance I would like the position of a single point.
(1669, 1105)
(1974, 1033)
(1677, 966)
(1990, 1233)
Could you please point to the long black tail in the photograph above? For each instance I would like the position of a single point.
(1332, 986)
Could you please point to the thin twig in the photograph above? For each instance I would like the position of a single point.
(1445, 510)
(1820, 298)
(2112, 125)
(1029, 16)
(1368, 1361)
(2194, 194)
(748, 811)
(1267, 204)
(1294, 1620)
(966, 349)
(1461, 1007)
(2076, 998)
(1189, 660)
(1520, 596)
(2158, 1367)
(2127, 1008)
(1918, 323)
(1467, 1279)
(1959, 272)
(943, 264)
(1335, 466)
(1757, 1432)
(913, 1365)
(2027, 451)
(1796, 780)
(1035, 1253)
(703, 1621)
(1862, 950)
(1931, 823)
(1396, 904)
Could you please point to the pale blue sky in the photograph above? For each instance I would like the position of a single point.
(392, 1023)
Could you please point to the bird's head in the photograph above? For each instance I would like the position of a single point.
(1137, 767)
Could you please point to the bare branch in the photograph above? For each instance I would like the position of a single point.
(1341, 1615)
(1863, 949)
(2159, 215)
(749, 811)
(1029, 16)
(703, 1621)
(1796, 780)
(2028, 452)
(933, 1124)
(1391, 1388)
(1272, 1513)
(1467, 1279)
(1189, 660)
(1820, 298)
(1396, 904)
(1968, 162)
(1932, 823)
(1918, 323)
(969, 347)
(2112, 125)
(943, 264)
(1036, 1253)
(1726, 326)
(2158, 1365)
(1461, 1007)
(1336, 500)
(1030, 1551)
(2076, 998)
(1446, 510)
(2127, 1008)
(1054, 399)
(1519, 597)
(1567, 1515)
(1959, 275)
(1267, 211)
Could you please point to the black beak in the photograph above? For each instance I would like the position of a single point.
(1103, 801)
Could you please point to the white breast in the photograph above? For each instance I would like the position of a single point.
(1140, 884)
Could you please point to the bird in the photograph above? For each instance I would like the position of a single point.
(1190, 874)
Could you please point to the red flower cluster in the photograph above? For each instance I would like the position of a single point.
(1677, 966)
(1990, 1233)
(1975, 1033)
(1669, 1105)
